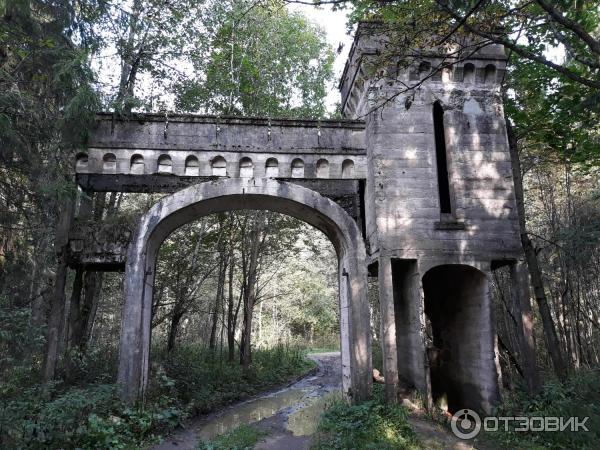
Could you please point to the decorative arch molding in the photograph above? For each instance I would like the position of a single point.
(234, 194)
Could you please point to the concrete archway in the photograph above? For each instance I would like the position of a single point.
(234, 194)
(462, 358)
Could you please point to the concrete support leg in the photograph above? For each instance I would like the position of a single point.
(524, 317)
(388, 330)
(355, 331)
(488, 386)
(136, 327)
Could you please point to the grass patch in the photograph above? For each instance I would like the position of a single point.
(243, 437)
(369, 425)
(323, 349)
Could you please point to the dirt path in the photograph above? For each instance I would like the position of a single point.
(288, 415)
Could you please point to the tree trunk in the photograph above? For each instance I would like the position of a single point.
(246, 347)
(92, 288)
(57, 297)
(86, 295)
(250, 288)
(75, 324)
(173, 329)
(219, 296)
(524, 326)
(535, 273)
(231, 317)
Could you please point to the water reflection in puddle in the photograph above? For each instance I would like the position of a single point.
(304, 420)
(250, 412)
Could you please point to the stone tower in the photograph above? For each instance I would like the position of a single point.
(440, 213)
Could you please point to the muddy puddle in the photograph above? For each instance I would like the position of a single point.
(304, 420)
(302, 407)
(305, 410)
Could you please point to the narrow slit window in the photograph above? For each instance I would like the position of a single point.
(441, 159)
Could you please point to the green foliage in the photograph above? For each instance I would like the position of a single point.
(87, 416)
(95, 365)
(370, 425)
(579, 396)
(556, 118)
(90, 415)
(297, 290)
(245, 74)
(243, 437)
(19, 342)
(204, 382)
(47, 103)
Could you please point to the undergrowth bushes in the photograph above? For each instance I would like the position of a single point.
(57, 416)
(579, 396)
(84, 410)
(204, 381)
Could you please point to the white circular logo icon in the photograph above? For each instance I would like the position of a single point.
(465, 424)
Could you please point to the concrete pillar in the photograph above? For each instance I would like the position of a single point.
(488, 387)
(355, 328)
(410, 323)
(135, 340)
(388, 329)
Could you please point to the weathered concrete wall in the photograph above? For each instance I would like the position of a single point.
(403, 194)
(99, 246)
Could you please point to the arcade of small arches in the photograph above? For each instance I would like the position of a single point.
(468, 73)
(218, 167)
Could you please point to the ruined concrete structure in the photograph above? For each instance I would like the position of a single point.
(419, 193)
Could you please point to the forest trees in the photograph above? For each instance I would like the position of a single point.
(239, 71)
(213, 274)
(60, 63)
(47, 101)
